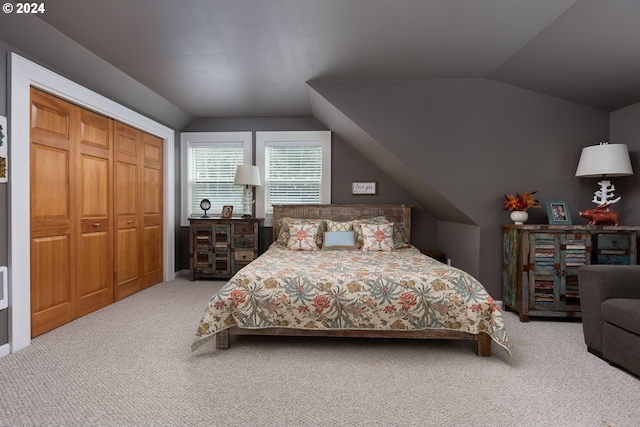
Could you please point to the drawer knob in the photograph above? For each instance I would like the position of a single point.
(96, 225)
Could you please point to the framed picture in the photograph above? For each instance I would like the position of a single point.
(369, 187)
(227, 211)
(558, 212)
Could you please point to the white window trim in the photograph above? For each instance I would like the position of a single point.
(187, 138)
(264, 138)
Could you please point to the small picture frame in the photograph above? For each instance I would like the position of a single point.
(367, 187)
(558, 212)
(227, 212)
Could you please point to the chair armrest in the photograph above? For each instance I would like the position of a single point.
(598, 283)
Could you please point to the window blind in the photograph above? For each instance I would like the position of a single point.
(293, 174)
(212, 168)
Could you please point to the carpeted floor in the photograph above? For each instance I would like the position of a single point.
(130, 364)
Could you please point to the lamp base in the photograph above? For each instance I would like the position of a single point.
(247, 201)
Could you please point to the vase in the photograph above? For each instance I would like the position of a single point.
(519, 217)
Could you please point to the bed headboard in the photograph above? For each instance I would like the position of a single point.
(400, 214)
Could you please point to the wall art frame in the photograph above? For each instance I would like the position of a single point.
(364, 187)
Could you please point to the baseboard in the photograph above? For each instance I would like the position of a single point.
(5, 350)
(181, 273)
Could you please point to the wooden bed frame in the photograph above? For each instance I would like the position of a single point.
(400, 214)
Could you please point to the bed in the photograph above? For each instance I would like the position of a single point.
(375, 286)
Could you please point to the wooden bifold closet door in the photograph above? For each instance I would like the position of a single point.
(138, 210)
(73, 220)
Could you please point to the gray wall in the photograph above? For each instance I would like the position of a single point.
(625, 129)
(474, 141)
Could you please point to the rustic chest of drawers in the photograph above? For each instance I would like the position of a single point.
(540, 264)
(220, 247)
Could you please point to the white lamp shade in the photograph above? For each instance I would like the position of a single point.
(247, 175)
(604, 159)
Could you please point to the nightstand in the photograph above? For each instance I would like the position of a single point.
(219, 248)
(437, 255)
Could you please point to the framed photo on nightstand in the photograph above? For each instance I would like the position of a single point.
(227, 212)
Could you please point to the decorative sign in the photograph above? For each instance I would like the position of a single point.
(3, 149)
(364, 187)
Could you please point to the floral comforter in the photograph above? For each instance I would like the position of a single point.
(401, 289)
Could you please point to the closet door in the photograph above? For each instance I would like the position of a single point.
(127, 146)
(152, 210)
(52, 163)
(94, 258)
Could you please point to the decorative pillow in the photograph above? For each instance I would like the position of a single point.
(339, 240)
(330, 225)
(302, 237)
(399, 238)
(283, 236)
(377, 237)
(358, 223)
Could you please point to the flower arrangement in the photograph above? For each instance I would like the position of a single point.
(520, 201)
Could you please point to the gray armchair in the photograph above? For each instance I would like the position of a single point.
(610, 305)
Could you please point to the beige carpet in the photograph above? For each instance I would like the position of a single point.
(130, 365)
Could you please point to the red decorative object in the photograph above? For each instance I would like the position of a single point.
(601, 215)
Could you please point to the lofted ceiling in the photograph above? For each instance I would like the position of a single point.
(251, 58)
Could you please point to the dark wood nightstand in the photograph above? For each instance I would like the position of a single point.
(219, 248)
(437, 255)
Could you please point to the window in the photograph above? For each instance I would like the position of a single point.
(296, 168)
(209, 161)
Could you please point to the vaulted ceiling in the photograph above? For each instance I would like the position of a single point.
(250, 58)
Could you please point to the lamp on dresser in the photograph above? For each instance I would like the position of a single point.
(249, 177)
(603, 161)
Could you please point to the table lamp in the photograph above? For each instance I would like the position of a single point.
(249, 177)
(603, 161)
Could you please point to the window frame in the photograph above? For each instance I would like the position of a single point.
(223, 138)
(264, 138)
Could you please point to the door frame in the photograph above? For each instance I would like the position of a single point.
(23, 75)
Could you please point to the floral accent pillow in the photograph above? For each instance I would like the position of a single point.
(377, 237)
(302, 237)
(283, 236)
(399, 238)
